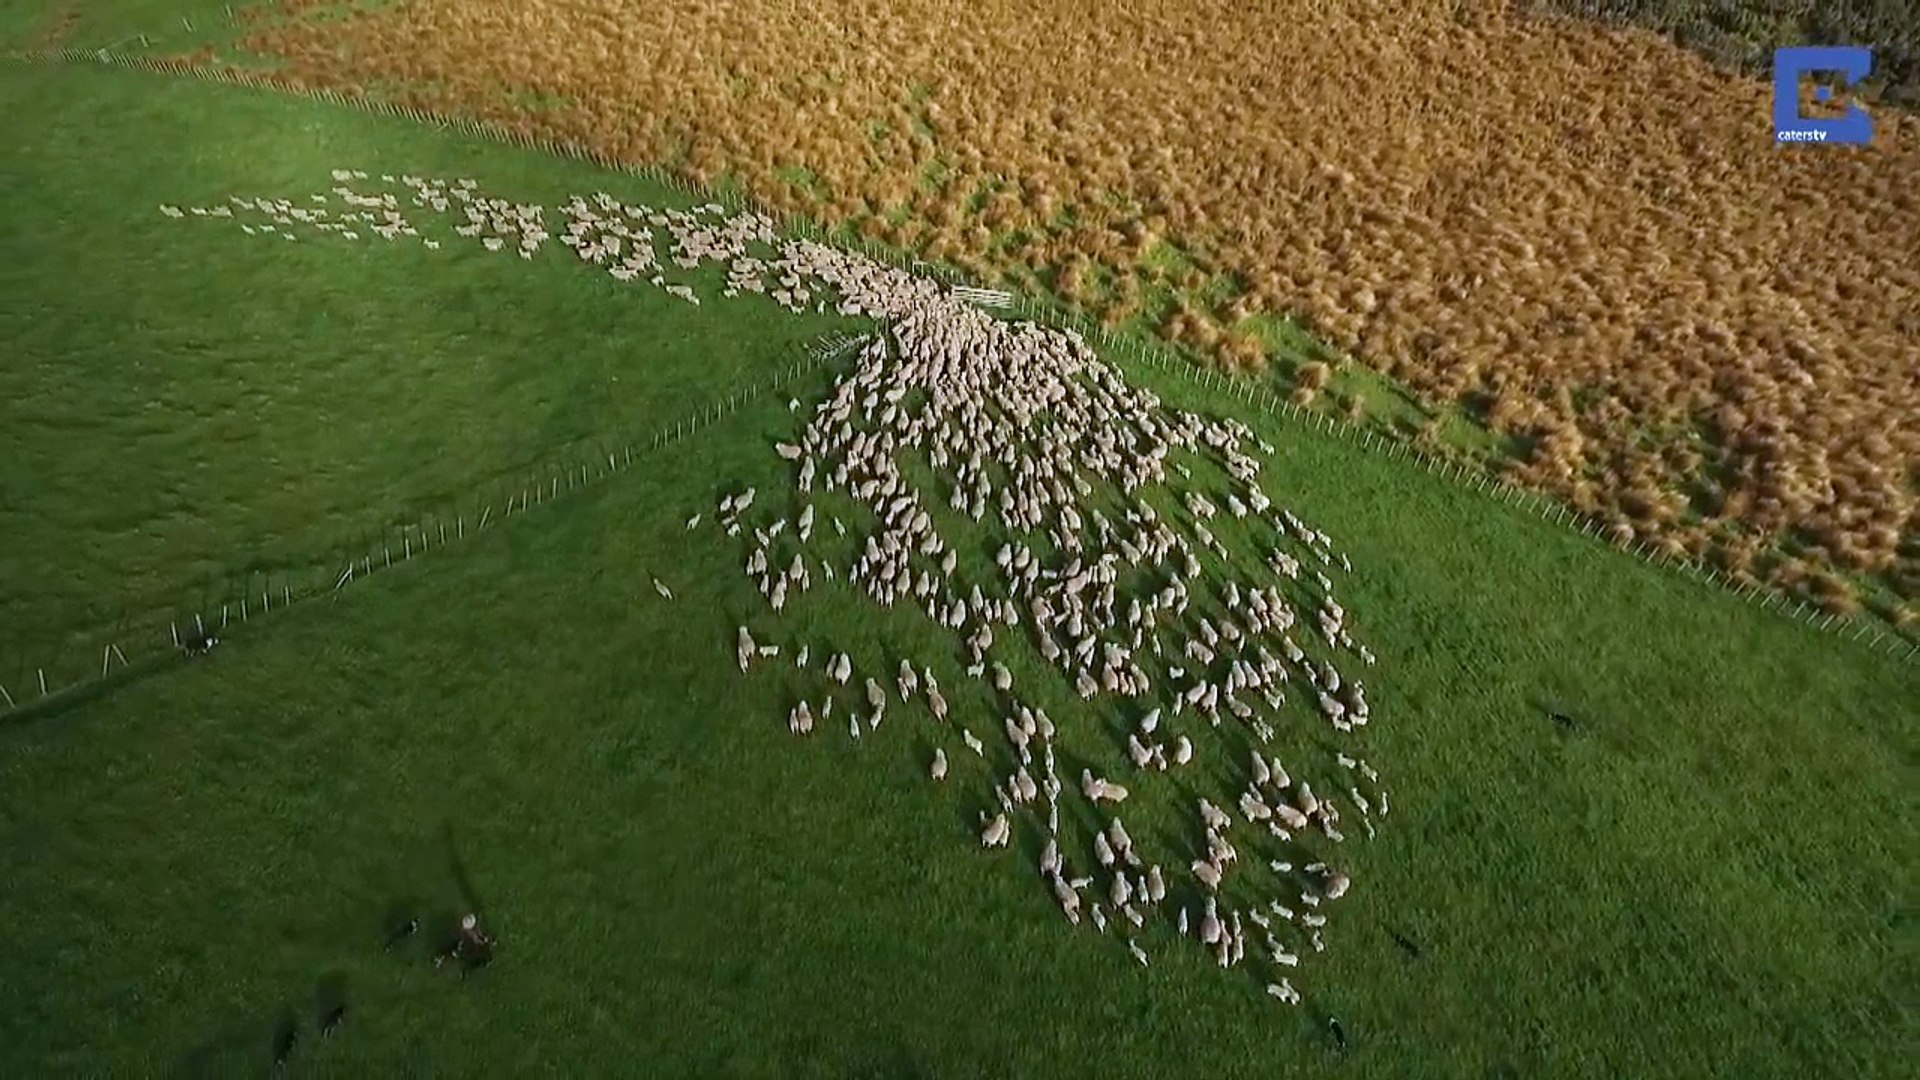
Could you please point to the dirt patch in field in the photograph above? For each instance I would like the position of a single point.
(59, 26)
(1587, 235)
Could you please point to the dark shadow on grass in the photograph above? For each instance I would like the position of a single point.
(330, 1002)
(461, 879)
(65, 700)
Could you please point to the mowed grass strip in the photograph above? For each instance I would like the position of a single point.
(185, 404)
(1703, 879)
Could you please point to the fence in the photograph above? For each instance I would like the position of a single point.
(1128, 347)
(159, 643)
(993, 298)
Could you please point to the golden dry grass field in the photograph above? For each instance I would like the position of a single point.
(1585, 236)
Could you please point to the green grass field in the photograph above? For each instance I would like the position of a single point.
(1709, 878)
(173, 431)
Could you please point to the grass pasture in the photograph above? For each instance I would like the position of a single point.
(190, 405)
(1708, 878)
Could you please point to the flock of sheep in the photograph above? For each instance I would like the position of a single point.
(1110, 518)
(631, 243)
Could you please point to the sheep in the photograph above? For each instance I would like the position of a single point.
(1293, 819)
(662, 589)
(800, 721)
(1219, 851)
(1099, 919)
(1023, 786)
(1278, 776)
(996, 831)
(1336, 886)
(1207, 873)
(1141, 756)
(1068, 898)
(1103, 850)
(1098, 790)
(973, 743)
(1210, 929)
(938, 770)
(1182, 751)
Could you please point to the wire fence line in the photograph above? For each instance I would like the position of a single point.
(1129, 346)
(159, 636)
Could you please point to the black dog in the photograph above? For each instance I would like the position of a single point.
(197, 641)
(1339, 1033)
(331, 1022)
(400, 934)
(477, 957)
(283, 1043)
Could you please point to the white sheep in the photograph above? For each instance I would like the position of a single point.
(1069, 899)
(1210, 929)
(995, 833)
(1207, 873)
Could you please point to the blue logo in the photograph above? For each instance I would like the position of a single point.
(1852, 62)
